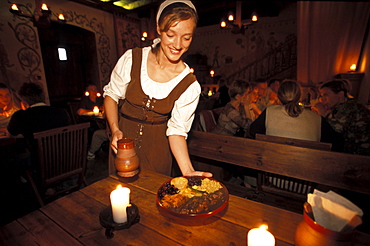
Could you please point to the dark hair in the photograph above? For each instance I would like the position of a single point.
(238, 87)
(3, 86)
(289, 94)
(337, 86)
(31, 93)
(271, 81)
(260, 81)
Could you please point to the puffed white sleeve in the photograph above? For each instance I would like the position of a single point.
(183, 112)
(120, 78)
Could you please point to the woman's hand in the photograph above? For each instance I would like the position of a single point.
(198, 173)
(117, 135)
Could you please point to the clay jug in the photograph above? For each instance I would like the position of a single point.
(126, 162)
(310, 233)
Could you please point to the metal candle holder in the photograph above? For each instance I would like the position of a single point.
(106, 220)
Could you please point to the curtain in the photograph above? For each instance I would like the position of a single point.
(330, 36)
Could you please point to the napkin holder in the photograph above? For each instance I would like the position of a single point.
(106, 220)
(309, 232)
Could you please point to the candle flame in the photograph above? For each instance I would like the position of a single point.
(119, 187)
(96, 110)
(145, 34)
(98, 94)
(15, 7)
(230, 18)
(44, 7)
(87, 93)
(223, 24)
(254, 18)
(210, 93)
(353, 67)
(264, 227)
(212, 73)
(61, 17)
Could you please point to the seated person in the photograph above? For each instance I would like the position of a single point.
(7, 106)
(251, 103)
(266, 95)
(348, 117)
(232, 120)
(291, 120)
(90, 101)
(99, 137)
(35, 115)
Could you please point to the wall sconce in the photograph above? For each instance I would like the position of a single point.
(235, 22)
(212, 73)
(42, 19)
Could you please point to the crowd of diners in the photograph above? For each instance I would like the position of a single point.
(275, 108)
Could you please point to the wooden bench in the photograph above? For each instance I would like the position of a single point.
(211, 152)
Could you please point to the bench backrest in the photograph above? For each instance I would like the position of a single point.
(345, 171)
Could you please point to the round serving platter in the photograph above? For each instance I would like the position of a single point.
(209, 203)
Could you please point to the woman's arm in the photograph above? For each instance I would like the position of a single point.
(179, 149)
(111, 113)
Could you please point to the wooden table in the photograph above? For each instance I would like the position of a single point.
(74, 220)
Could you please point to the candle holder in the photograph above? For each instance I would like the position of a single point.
(106, 220)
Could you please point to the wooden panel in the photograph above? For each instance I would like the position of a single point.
(340, 170)
(295, 142)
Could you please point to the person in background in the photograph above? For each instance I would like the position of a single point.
(91, 100)
(348, 117)
(35, 115)
(222, 93)
(251, 103)
(7, 106)
(159, 92)
(273, 87)
(99, 137)
(263, 95)
(291, 120)
(233, 120)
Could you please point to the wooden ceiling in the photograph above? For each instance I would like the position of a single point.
(210, 11)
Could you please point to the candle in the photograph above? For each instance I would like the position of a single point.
(96, 110)
(260, 237)
(120, 199)
(352, 68)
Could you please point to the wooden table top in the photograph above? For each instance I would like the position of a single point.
(74, 220)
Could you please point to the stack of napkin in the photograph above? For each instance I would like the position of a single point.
(333, 211)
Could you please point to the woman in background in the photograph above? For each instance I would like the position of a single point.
(7, 105)
(291, 120)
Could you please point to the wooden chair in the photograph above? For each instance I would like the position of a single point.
(286, 183)
(73, 107)
(61, 156)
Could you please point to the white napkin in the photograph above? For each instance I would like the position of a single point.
(331, 210)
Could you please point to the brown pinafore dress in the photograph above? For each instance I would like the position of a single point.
(145, 119)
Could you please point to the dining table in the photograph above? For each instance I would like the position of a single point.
(74, 220)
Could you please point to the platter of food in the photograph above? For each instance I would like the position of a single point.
(192, 197)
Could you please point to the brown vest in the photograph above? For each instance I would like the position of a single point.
(145, 120)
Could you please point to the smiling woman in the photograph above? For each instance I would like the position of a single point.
(159, 93)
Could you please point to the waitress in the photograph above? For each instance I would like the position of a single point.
(159, 93)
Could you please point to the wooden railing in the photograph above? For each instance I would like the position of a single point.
(275, 62)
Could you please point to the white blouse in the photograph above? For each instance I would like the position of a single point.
(182, 114)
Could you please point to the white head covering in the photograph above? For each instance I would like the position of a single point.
(168, 2)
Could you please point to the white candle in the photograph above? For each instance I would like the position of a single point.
(260, 237)
(120, 199)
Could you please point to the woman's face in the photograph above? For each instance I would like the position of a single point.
(176, 41)
(329, 98)
(253, 96)
(5, 98)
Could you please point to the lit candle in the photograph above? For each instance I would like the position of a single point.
(87, 93)
(15, 7)
(61, 17)
(120, 199)
(212, 73)
(96, 110)
(44, 7)
(260, 237)
(352, 68)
